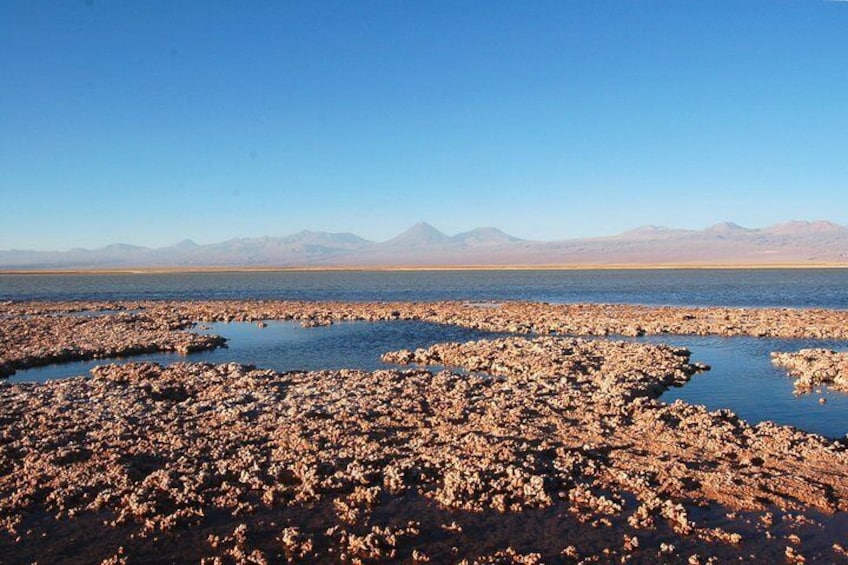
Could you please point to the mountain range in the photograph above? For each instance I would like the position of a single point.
(797, 243)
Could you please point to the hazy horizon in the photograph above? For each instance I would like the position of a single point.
(467, 230)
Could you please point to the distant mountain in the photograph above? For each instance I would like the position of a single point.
(728, 228)
(484, 236)
(185, 245)
(806, 228)
(726, 243)
(649, 232)
(421, 234)
(325, 239)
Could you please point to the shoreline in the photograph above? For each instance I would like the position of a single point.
(34, 336)
(430, 268)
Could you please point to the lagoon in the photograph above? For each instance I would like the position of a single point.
(790, 288)
(741, 379)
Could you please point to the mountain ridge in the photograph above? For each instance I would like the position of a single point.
(796, 242)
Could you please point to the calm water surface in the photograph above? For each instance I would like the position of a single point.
(286, 346)
(743, 379)
(742, 376)
(825, 288)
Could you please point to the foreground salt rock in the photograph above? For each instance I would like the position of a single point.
(547, 450)
(31, 341)
(814, 367)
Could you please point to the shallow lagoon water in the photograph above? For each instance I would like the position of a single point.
(742, 377)
(781, 288)
(286, 346)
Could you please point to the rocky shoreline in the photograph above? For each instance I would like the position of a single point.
(815, 367)
(37, 333)
(546, 448)
(42, 339)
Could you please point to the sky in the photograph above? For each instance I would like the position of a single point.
(152, 122)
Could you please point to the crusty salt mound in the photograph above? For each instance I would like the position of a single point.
(814, 367)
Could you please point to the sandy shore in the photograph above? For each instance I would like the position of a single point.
(550, 449)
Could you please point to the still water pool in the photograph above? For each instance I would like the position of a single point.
(742, 377)
(286, 346)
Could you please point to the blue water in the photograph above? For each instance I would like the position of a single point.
(824, 288)
(743, 379)
(286, 346)
(742, 376)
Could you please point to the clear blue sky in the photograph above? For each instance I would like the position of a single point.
(149, 122)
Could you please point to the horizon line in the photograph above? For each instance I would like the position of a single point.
(428, 224)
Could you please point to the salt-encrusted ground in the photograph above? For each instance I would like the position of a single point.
(548, 448)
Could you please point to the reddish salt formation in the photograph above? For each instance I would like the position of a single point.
(41, 339)
(547, 450)
(814, 367)
(559, 452)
